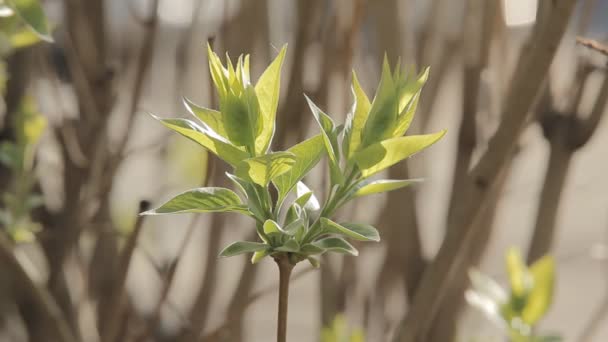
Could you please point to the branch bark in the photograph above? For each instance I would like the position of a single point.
(530, 73)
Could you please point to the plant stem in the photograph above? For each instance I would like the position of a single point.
(285, 268)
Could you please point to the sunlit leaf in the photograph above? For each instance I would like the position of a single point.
(384, 185)
(357, 231)
(408, 102)
(271, 227)
(265, 168)
(201, 200)
(519, 279)
(267, 90)
(336, 244)
(242, 247)
(540, 297)
(330, 138)
(384, 154)
(259, 255)
(307, 155)
(354, 129)
(210, 117)
(31, 12)
(226, 151)
(240, 115)
(253, 199)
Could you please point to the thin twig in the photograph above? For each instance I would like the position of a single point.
(593, 45)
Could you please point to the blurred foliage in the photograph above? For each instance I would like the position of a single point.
(339, 331)
(518, 310)
(18, 157)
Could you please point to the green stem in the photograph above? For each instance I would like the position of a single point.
(285, 268)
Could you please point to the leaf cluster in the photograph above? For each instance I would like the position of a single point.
(294, 222)
(521, 308)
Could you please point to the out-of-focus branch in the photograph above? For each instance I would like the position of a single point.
(110, 321)
(294, 106)
(530, 73)
(566, 134)
(146, 53)
(35, 297)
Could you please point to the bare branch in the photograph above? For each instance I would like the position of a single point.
(530, 73)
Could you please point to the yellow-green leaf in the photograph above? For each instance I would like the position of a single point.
(384, 185)
(242, 247)
(226, 151)
(259, 255)
(267, 90)
(265, 168)
(271, 226)
(384, 110)
(307, 154)
(519, 279)
(211, 118)
(540, 297)
(201, 200)
(359, 117)
(384, 154)
(240, 115)
(330, 138)
(357, 231)
(32, 14)
(409, 102)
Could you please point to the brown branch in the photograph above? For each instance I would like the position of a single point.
(111, 316)
(37, 298)
(593, 45)
(532, 68)
(146, 53)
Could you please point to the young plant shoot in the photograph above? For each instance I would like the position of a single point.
(241, 132)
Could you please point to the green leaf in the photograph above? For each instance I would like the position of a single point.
(384, 154)
(265, 168)
(290, 246)
(211, 118)
(259, 255)
(267, 90)
(293, 227)
(313, 262)
(253, 199)
(311, 249)
(408, 102)
(201, 200)
(358, 118)
(384, 110)
(336, 244)
(307, 153)
(226, 151)
(240, 114)
(384, 185)
(519, 279)
(242, 247)
(540, 297)
(31, 12)
(271, 227)
(218, 73)
(357, 231)
(330, 139)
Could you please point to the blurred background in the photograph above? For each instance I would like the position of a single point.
(75, 114)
